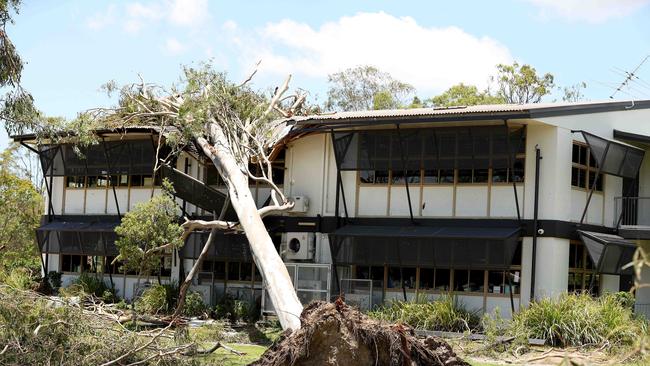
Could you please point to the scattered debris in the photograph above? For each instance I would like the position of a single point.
(337, 334)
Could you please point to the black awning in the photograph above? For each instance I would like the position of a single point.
(613, 157)
(470, 147)
(232, 247)
(85, 238)
(429, 246)
(196, 192)
(609, 253)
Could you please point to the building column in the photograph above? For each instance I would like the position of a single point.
(551, 267)
(609, 283)
(526, 271)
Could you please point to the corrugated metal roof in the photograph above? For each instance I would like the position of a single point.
(493, 109)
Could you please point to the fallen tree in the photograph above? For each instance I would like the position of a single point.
(233, 126)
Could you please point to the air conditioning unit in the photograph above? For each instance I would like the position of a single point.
(299, 246)
(300, 204)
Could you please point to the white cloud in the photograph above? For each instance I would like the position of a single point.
(188, 12)
(101, 20)
(592, 11)
(431, 59)
(173, 46)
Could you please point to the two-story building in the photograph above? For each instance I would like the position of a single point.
(498, 204)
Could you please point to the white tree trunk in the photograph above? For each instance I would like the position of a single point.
(279, 286)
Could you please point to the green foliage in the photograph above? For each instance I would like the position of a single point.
(518, 84)
(574, 92)
(90, 284)
(19, 278)
(146, 231)
(445, 313)
(55, 279)
(162, 299)
(465, 95)
(20, 212)
(579, 320)
(365, 88)
(625, 298)
(153, 300)
(194, 305)
(237, 310)
(37, 333)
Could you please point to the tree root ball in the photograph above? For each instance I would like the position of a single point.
(337, 334)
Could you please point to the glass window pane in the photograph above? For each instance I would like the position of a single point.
(518, 171)
(480, 175)
(443, 277)
(461, 278)
(499, 175)
(447, 176)
(476, 280)
(367, 176)
(464, 175)
(233, 271)
(496, 282)
(393, 278)
(408, 274)
(431, 176)
(147, 180)
(91, 181)
(219, 270)
(102, 181)
(136, 181)
(426, 278)
(381, 177)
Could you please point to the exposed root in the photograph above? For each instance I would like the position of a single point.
(336, 334)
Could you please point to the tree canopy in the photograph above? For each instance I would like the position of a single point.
(20, 212)
(519, 84)
(364, 88)
(147, 231)
(464, 95)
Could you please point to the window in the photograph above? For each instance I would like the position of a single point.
(399, 177)
(396, 274)
(442, 280)
(584, 168)
(581, 269)
(119, 180)
(71, 263)
(75, 182)
(212, 177)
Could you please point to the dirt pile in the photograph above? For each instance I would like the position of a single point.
(336, 334)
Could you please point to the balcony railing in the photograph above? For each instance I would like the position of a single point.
(631, 211)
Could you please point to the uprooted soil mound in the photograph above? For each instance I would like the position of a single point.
(336, 334)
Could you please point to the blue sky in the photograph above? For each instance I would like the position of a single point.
(73, 47)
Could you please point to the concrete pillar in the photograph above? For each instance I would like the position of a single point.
(609, 283)
(551, 267)
(526, 270)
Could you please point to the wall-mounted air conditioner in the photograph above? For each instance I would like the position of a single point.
(300, 204)
(299, 246)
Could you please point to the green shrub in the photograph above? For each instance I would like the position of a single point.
(445, 313)
(55, 279)
(92, 284)
(153, 300)
(194, 305)
(626, 299)
(235, 310)
(20, 279)
(579, 320)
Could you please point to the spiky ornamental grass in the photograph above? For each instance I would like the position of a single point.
(579, 320)
(446, 313)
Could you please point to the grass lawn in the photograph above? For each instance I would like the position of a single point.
(225, 358)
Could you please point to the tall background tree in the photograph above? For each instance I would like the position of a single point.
(463, 95)
(520, 84)
(365, 88)
(20, 212)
